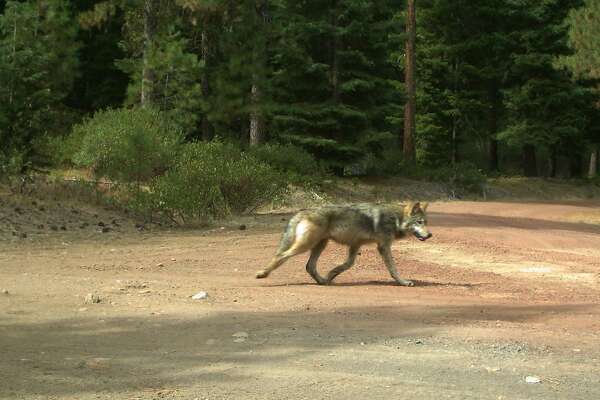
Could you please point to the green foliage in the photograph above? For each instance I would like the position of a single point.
(387, 162)
(127, 145)
(38, 64)
(584, 31)
(12, 164)
(176, 86)
(214, 179)
(290, 159)
(336, 90)
(464, 177)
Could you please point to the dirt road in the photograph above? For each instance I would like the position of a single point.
(503, 291)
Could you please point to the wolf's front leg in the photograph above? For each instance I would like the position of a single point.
(352, 252)
(311, 265)
(386, 254)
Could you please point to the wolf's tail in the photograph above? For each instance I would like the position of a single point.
(289, 235)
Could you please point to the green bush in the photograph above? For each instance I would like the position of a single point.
(12, 164)
(214, 179)
(59, 151)
(294, 160)
(388, 162)
(463, 176)
(128, 145)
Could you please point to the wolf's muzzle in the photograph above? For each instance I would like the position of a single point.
(424, 238)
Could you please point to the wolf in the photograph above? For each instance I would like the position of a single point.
(353, 226)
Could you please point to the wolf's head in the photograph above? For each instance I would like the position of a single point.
(414, 220)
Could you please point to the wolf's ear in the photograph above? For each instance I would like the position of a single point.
(408, 209)
(415, 208)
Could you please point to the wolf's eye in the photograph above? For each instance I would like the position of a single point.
(420, 222)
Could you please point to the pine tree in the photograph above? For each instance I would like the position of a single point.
(37, 70)
(584, 31)
(335, 87)
(544, 103)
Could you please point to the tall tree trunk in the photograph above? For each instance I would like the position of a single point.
(409, 79)
(151, 8)
(553, 161)
(13, 61)
(335, 68)
(575, 164)
(455, 118)
(593, 167)
(529, 160)
(207, 130)
(257, 133)
(454, 146)
(493, 129)
(256, 117)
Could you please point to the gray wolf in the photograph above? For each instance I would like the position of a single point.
(353, 226)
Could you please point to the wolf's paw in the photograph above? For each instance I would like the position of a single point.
(261, 274)
(404, 282)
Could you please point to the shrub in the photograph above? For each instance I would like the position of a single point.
(388, 162)
(128, 145)
(464, 176)
(214, 179)
(288, 158)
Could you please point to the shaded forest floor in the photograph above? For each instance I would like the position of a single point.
(504, 290)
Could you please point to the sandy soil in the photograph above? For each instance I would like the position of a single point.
(503, 291)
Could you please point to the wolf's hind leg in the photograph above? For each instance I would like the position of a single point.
(352, 252)
(386, 254)
(311, 265)
(305, 238)
(275, 263)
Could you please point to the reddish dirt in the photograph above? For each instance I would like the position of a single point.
(503, 291)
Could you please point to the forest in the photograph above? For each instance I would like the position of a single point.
(141, 89)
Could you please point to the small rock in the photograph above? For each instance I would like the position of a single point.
(42, 208)
(532, 379)
(98, 363)
(100, 223)
(239, 340)
(200, 296)
(5, 291)
(54, 227)
(18, 210)
(242, 227)
(92, 298)
(106, 229)
(173, 259)
(144, 291)
(63, 228)
(240, 335)
(115, 222)
(41, 226)
(83, 309)
(23, 235)
(418, 341)
(160, 265)
(34, 203)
